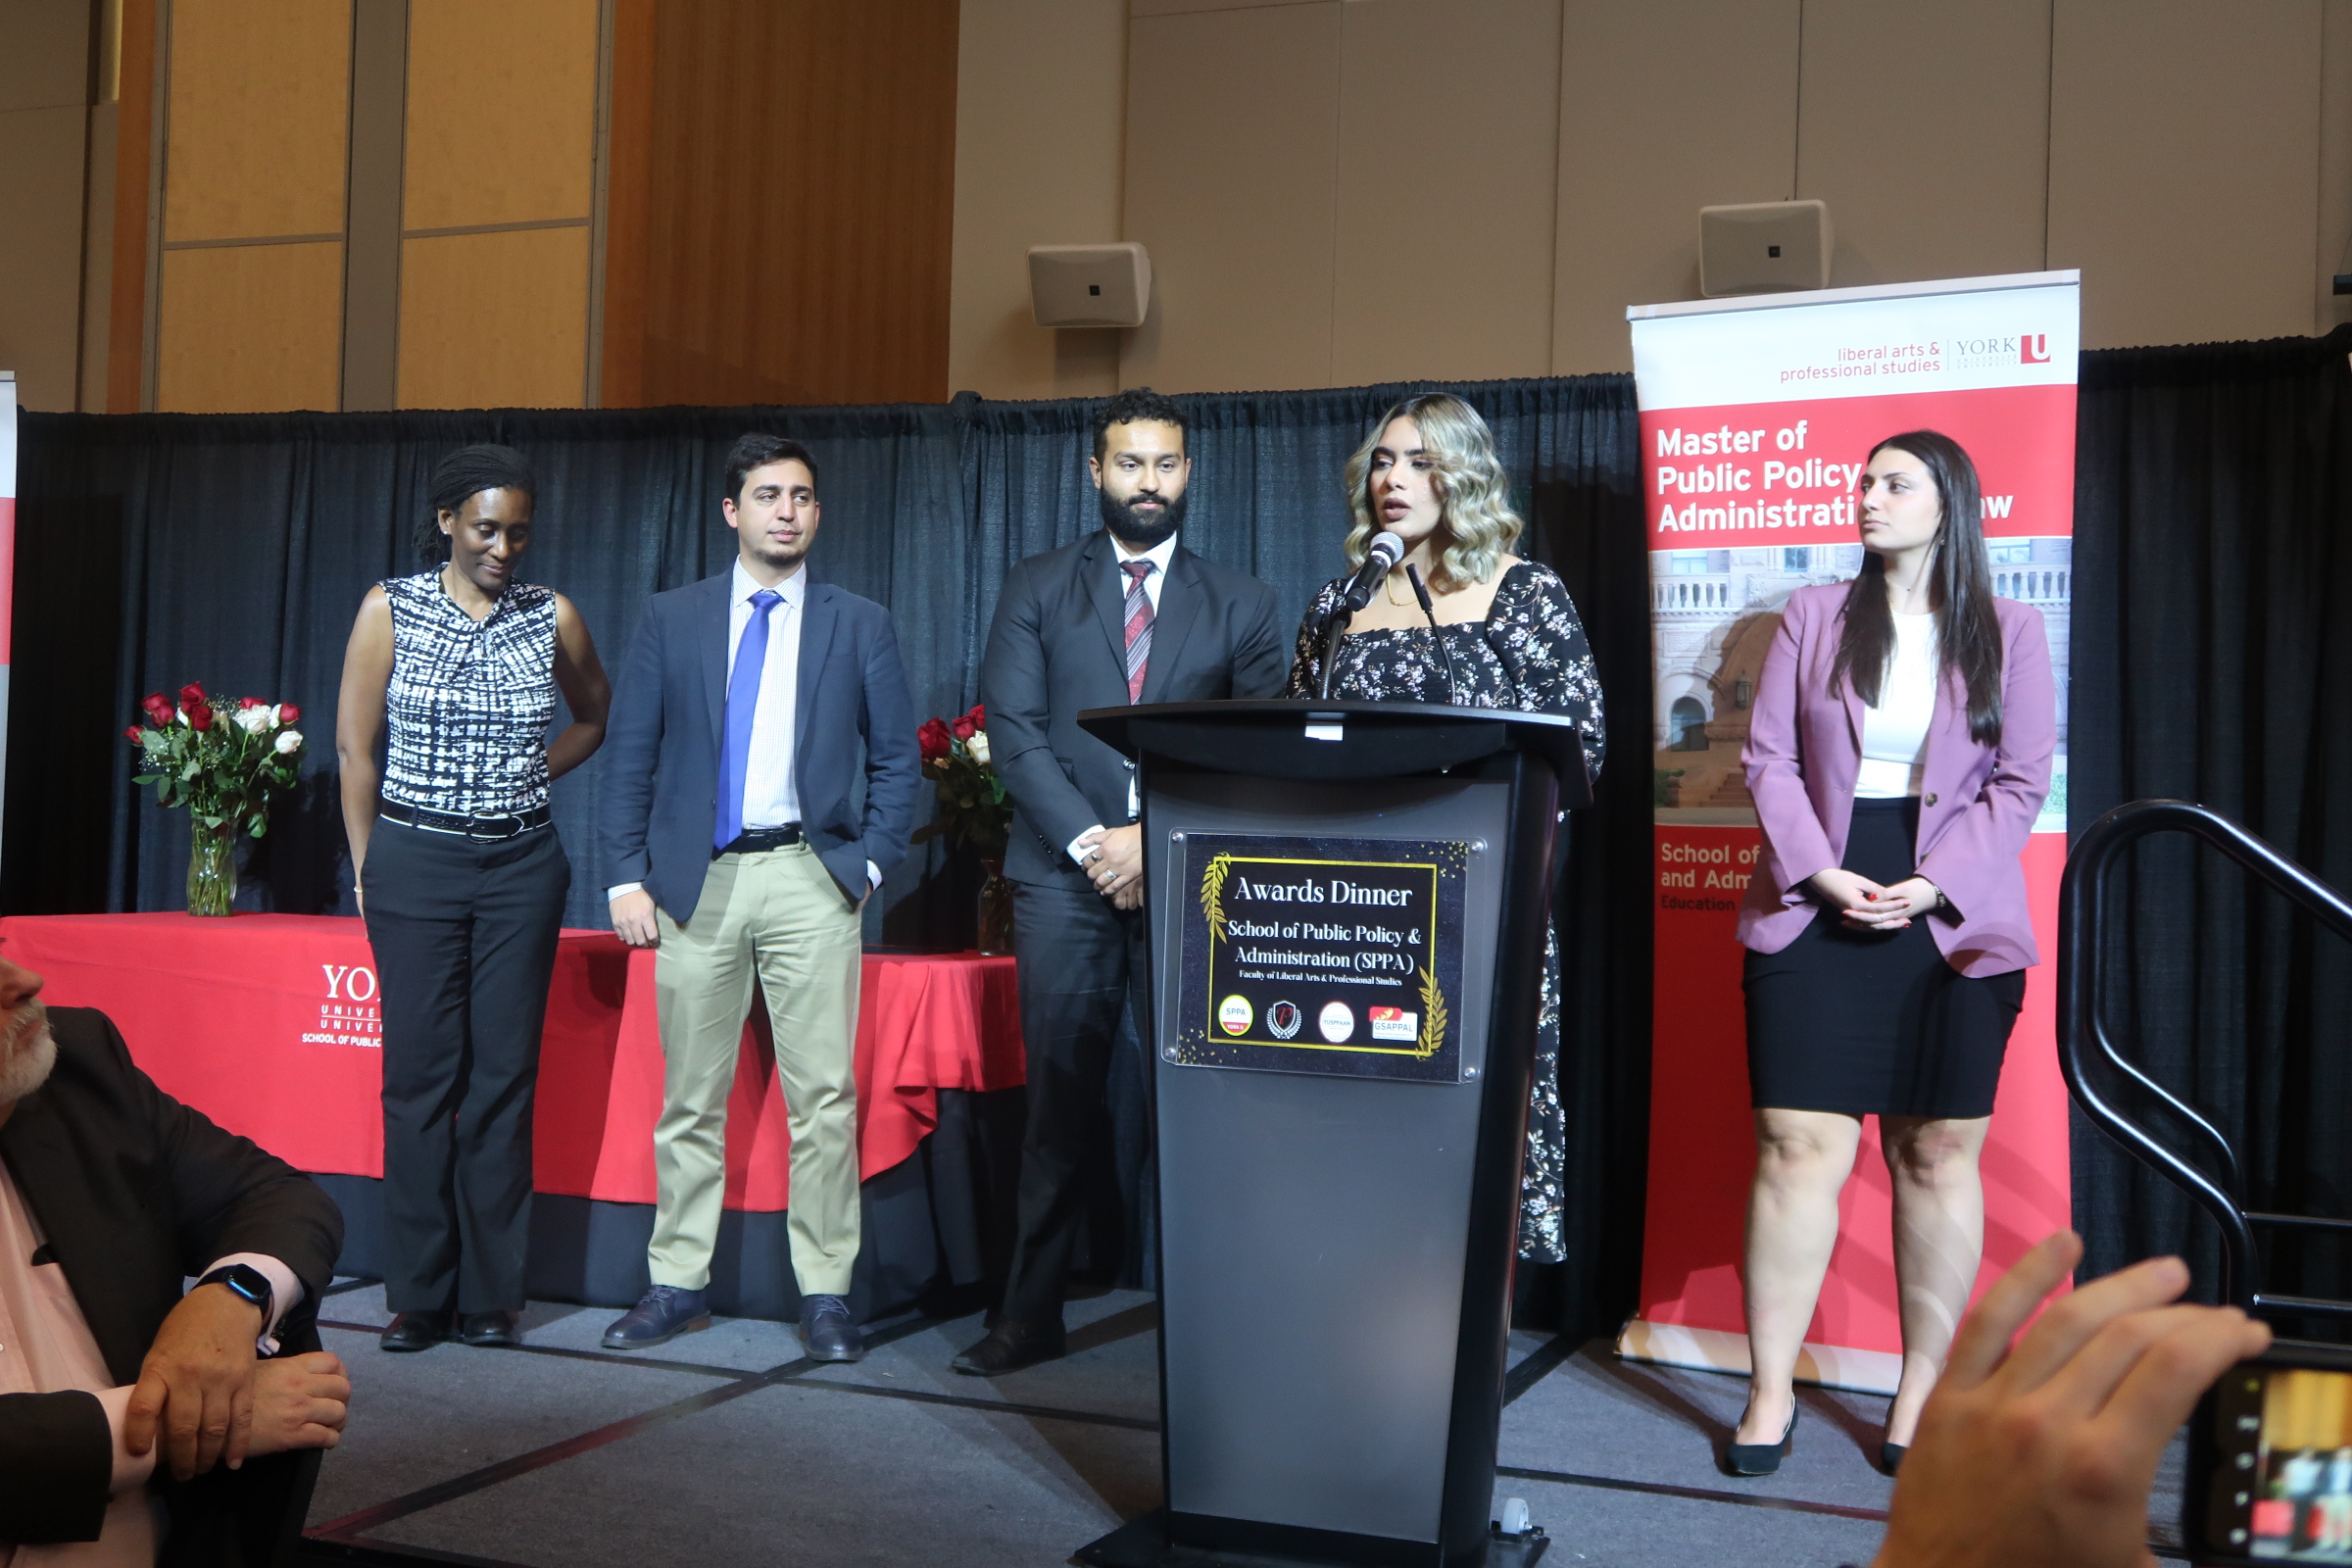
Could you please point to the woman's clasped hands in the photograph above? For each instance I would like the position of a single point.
(1866, 905)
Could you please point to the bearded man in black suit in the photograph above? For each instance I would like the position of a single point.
(132, 1414)
(1124, 615)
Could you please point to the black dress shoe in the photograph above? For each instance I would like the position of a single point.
(490, 1330)
(828, 1333)
(1760, 1458)
(1009, 1346)
(415, 1330)
(1890, 1457)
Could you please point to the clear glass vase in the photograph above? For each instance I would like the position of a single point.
(212, 869)
(996, 910)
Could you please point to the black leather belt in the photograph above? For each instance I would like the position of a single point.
(466, 824)
(752, 840)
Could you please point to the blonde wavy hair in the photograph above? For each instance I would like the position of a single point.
(1474, 495)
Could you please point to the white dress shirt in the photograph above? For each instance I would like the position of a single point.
(771, 797)
(1895, 731)
(1160, 555)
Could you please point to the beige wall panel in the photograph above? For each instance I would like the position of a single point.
(502, 112)
(259, 108)
(1448, 170)
(1040, 137)
(40, 258)
(2335, 166)
(494, 320)
(1665, 107)
(1925, 127)
(1232, 141)
(2184, 167)
(46, 63)
(1178, 8)
(249, 329)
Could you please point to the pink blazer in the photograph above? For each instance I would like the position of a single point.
(1977, 804)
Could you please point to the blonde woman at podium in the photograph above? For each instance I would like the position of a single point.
(1899, 752)
(1494, 631)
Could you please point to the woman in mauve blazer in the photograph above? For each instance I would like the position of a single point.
(1899, 752)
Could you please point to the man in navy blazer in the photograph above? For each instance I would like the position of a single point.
(760, 776)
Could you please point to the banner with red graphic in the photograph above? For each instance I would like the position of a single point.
(1757, 417)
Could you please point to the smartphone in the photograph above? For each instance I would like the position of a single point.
(2270, 1462)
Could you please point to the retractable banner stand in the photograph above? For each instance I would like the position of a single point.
(1757, 415)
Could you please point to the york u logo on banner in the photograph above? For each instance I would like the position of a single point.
(349, 1016)
(2034, 348)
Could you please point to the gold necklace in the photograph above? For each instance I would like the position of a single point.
(1388, 586)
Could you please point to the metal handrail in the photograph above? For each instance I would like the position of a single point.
(2083, 1030)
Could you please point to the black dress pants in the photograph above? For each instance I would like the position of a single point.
(465, 939)
(1081, 969)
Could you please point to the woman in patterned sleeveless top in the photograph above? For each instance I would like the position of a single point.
(462, 880)
(1510, 639)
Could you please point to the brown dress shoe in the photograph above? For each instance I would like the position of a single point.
(1009, 1346)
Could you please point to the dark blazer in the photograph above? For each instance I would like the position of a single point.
(659, 796)
(1058, 646)
(135, 1193)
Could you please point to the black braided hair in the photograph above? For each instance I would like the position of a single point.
(463, 474)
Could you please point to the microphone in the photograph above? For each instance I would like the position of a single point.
(1413, 574)
(1384, 552)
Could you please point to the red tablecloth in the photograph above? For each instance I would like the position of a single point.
(271, 1025)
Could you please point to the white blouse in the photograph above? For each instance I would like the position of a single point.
(1894, 733)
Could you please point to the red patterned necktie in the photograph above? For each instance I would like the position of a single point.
(1138, 627)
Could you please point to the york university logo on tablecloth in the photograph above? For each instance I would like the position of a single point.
(348, 1013)
(1322, 956)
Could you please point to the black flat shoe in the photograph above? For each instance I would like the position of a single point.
(490, 1331)
(1890, 1457)
(415, 1330)
(1009, 1346)
(1760, 1458)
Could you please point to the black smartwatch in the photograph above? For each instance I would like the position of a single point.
(244, 1279)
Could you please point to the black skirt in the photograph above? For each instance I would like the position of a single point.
(1868, 1022)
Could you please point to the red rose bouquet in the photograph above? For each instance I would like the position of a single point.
(973, 812)
(224, 764)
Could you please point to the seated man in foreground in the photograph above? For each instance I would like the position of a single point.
(120, 1396)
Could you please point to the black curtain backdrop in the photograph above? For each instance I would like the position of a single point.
(2213, 571)
(2210, 549)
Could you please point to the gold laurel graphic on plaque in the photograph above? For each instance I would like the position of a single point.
(1212, 894)
(1432, 1016)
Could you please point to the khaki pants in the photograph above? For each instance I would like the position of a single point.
(779, 917)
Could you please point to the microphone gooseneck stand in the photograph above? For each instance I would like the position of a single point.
(1333, 630)
(1436, 633)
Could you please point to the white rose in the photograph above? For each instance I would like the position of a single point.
(289, 740)
(254, 721)
(977, 747)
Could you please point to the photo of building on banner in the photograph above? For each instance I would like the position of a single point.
(1757, 415)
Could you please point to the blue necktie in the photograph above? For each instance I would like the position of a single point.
(743, 700)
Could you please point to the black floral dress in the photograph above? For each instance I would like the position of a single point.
(1530, 655)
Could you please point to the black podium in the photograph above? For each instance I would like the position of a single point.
(1348, 904)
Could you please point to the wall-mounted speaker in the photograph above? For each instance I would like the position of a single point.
(1090, 285)
(1764, 248)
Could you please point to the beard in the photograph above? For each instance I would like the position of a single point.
(27, 1054)
(1141, 529)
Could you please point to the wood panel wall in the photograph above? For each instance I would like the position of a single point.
(798, 200)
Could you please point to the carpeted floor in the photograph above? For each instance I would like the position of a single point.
(726, 1447)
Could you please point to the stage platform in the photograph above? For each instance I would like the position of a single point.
(726, 1447)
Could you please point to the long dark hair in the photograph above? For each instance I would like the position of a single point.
(1968, 628)
(463, 474)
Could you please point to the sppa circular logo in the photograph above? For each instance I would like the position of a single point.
(1283, 1019)
(1234, 1015)
(1337, 1022)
